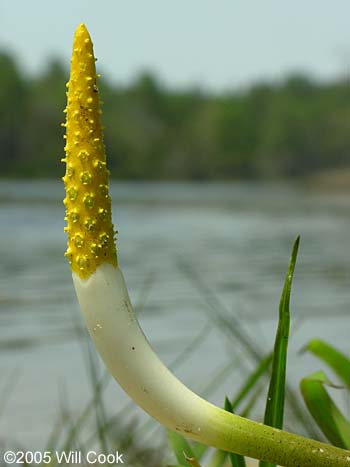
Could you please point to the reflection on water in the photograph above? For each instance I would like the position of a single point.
(238, 237)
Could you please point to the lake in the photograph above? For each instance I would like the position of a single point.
(188, 252)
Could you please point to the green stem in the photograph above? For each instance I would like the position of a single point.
(259, 441)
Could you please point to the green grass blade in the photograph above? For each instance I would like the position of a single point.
(180, 446)
(275, 401)
(336, 360)
(274, 410)
(326, 414)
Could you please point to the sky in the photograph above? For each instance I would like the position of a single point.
(216, 44)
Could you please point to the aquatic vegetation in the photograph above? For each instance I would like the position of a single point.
(112, 324)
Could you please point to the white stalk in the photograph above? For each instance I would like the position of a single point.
(110, 319)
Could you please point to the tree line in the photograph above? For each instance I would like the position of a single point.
(292, 128)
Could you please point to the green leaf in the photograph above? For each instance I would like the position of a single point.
(326, 414)
(227, 405)
(180, 446)
(336, 360)
(274, 409)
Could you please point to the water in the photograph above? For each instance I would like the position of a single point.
(236, 237)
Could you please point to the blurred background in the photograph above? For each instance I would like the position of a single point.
(227, 127)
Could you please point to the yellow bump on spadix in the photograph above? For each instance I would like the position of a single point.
(88, 204)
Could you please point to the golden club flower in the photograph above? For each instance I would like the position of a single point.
(107, 310)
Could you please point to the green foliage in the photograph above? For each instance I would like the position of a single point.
(332, 357)
(325, 412)
(275, 400)
(274, 410)
(287, 129)
(180, 446)
(334, 425)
